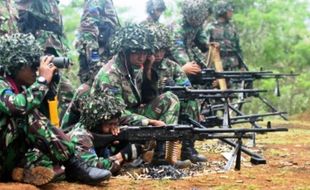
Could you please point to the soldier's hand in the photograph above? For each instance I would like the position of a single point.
(148, 66)
(215, 84)
(115, 131)
(191, 68)
(47, 68)
(156, 123)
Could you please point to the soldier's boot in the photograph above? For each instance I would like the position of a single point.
(188, 152)
(38, 175)
(78, 170)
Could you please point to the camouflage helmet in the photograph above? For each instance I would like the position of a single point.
(221, 8)
(131, 38)
(99, 107)
(195, 12)
(152, 5)
(162, 35)
(18, 50)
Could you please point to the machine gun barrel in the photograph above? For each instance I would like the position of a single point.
(187, 93)
(208, 75)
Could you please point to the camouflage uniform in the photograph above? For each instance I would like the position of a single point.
(42, 18)
(113, 77)
(170, 73)
(223, 31)
(8, 16)
(73, 112)
(23, 126)
(98, 23)
(190, 37)
(94, 111)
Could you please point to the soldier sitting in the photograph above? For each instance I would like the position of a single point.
(23, 126)
(171, 73)
(129, 77)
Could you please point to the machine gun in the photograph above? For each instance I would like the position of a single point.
(141, 134)
(255, 158)
(208, 75)
(185, 93)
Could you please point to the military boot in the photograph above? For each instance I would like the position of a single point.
(38, 175)
(78, 170)
(188, 152)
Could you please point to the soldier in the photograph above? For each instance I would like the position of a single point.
(23, 126)
(98, 23)
(42, 18)
(128, 76)
(100, 114)
(224, 32)
(171, 73)
(154, 9)
(8, 17)
(189, 36)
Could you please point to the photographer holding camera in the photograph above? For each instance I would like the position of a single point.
(23, 87)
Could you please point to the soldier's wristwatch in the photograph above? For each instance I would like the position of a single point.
(41, 80)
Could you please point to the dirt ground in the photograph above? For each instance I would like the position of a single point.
(287, 168)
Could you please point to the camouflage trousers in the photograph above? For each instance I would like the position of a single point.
(50, 143)
(101, 159)
(85, 148)
(165, 107)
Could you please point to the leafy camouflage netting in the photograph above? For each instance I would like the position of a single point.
(152, 5)
(18, 50)
(132, 37)
(221, 8)
(99, 107)
(196, 12)
(162, 36)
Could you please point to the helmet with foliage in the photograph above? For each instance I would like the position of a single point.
(162, 35)
(152, 5)
(131, 38)
(221, 8)
(99, 107)
(18, 50)
(195, 12)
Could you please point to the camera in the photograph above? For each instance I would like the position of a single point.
(59, 62)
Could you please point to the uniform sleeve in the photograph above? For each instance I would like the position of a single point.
(89, 26)
(178, 49)
(110, 82)
(22, 103)
(202, 39)
(180, 77)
